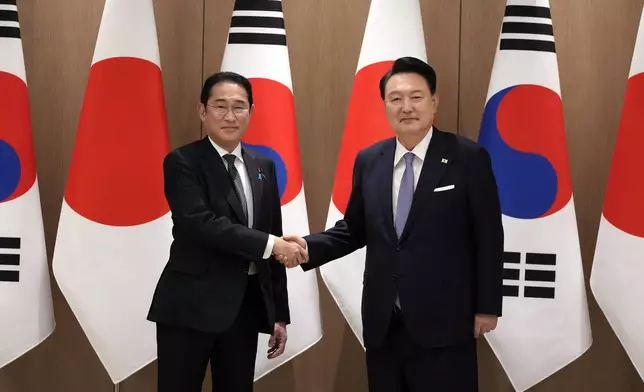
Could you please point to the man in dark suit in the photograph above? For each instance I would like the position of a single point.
(221, 286)
(425, 205)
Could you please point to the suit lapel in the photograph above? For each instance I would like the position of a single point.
(218, 175)
(437, 160)
(256, 183)
(384, 172)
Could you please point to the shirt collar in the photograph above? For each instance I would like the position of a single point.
(419, 151)
(236, 152)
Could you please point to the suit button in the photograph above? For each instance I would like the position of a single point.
(393, 277)
(398, 248)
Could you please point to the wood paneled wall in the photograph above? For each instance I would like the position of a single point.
(595, 39)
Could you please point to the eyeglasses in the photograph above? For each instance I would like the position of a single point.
(222, 110)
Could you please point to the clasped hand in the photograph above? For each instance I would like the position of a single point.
(291, 251)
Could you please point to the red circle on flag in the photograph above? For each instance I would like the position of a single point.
(366, 124)
(624, 204)
(15, 130)
(116, 172)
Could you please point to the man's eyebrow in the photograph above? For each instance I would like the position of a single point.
(234, 100)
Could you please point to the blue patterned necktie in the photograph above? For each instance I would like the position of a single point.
(405, 194)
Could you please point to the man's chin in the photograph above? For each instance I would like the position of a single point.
(410, 129)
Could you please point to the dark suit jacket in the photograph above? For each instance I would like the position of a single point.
(203, 284)
(447, 265)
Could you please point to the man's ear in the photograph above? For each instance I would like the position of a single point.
(201, 108)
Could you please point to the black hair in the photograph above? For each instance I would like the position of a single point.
(226, 77)
(410, 65)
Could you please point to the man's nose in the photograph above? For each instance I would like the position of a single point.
(230, 117)
(407, 106)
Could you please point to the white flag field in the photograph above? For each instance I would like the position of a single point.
(394, 29)
(114, 232)
(618, 268)
(545, 324)
(26, 311)
(257, 49)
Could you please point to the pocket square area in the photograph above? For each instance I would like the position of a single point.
(444, 188)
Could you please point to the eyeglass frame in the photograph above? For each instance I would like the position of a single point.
(240, 109)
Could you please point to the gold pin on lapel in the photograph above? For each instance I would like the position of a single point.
(443, 160)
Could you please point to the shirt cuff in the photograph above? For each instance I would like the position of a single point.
(269, 247)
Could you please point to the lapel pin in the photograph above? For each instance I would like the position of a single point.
(443, 160)
(260, 174)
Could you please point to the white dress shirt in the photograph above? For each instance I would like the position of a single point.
(248, 194)
(399, 165)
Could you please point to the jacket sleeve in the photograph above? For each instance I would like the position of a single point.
(348, 234)
(278, 271)
(485, 210)
(190, 212)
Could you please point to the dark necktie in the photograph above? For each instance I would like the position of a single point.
(237, 183)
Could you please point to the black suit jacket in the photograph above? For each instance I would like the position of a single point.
(204, 281)
(447, 265)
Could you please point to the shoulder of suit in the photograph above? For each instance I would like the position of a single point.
(377, 147)
(463, 144)
(258, 156)
(189, 149)
(188, 152)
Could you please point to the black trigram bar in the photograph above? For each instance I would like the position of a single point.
(8, 15)
(6, 259)
(527, 10)
(9, 276)
(258, 5)
(510, 291)
(257, 21)
(539, 292)
(531, 45)
(9, 32)
(539, 276)
(527, 28)
(541, 258)
(9, 243)
(512, 257)
(511, 274)
(257, 39)
(7, 2)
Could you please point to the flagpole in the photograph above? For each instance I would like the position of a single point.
(117, 387)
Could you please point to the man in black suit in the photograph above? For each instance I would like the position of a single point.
(425, 204)
(221, 286)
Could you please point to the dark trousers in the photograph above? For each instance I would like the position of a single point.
(183, 353)
(402, 365)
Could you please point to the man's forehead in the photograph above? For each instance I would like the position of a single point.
(406, 82)
(228, 92)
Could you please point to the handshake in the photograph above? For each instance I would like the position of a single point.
(290, 250)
